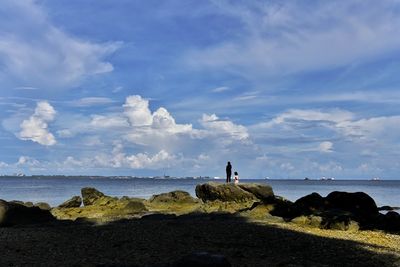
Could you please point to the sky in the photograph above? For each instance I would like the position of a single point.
(282, 89)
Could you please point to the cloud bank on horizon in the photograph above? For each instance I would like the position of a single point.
(284, 90)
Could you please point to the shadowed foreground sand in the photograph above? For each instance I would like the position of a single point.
(160, 240)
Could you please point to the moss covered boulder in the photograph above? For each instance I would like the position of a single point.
(223, 192)
(173, 197)
(176, 202)
(263, 192)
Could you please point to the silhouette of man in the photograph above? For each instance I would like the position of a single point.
(228, 172)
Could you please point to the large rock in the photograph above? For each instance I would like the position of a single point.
(174, 197)
(359, 204)
(310, 204)
(90, 195)
(74, 202)
(224, 192)
(260, 191)
(284, 208)
(17, 214)
(389, 221)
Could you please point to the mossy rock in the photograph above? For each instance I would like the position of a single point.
(74, 202)
(260, 191)
(173, 197)
(223, 192)
(311, 221)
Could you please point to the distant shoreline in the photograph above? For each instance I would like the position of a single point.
(191, 178)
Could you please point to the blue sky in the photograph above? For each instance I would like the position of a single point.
(281, 89)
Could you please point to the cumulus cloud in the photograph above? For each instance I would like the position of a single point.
(33, 51)
(137, 110)
(35, 128)
(119, 159)
(224, 127)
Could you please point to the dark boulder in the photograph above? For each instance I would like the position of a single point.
(224, 192)
(90, 195)
(310, 204)
(202, 259)
(74, 202)
(17, 214)
(389, 221)
(260, 191)
(284, 208)
(361, 205)
(173, 197)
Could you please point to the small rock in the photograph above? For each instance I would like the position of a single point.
(312, 221)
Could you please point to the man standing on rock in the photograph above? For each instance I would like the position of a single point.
(228, 172)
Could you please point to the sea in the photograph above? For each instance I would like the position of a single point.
(56, 189)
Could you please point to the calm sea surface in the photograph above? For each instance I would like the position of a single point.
(55, 190)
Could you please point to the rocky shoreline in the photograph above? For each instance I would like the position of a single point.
(249, 212)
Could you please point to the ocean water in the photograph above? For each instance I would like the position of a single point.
(55, 190)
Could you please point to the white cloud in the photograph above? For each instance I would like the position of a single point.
(325, 147)
(3, 164)
(335, 115)
(137, 110)
(224, 127)
(65, 133)
(33, 51)
(27, 161)
(220, 89)
(291, 37)
(141, 160)
(162, 120)
(91, 101)
(35, 128)
(100, 121)
(118, 159)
